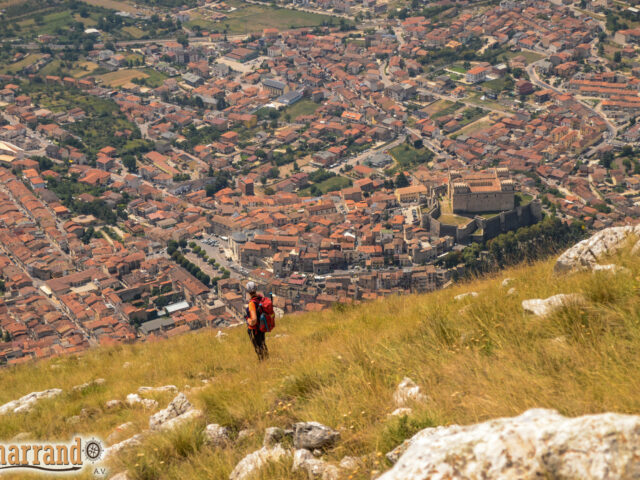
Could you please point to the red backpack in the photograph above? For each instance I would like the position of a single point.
(266, 315)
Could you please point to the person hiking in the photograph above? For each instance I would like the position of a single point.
(252, 316)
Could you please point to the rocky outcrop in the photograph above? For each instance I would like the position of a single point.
(542, 307)
(85, 386)
(537, 444)
(406, 392)
(254, 462)
(462, 296)
(216, 435)
(165, 388)
(129, 442)
(312, 435)
(135, 399)
(275, 435)
(587, 253)
(315, 468)
(24, 404)
(176, 413)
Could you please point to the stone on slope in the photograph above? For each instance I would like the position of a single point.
(406, 392)
(25, 403)
(129, 442)
(585, 254)
(165, 388)
(541, 307)
(135, 399)
(462, 296)
(274, 435)
(304, 461)
(216, 435)
(399, 412)
(537, 444)
(86, 385)
(177, 412)
(113, 404)
(254, 462)
(312, 435)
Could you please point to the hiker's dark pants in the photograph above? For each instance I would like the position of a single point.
(257, 338)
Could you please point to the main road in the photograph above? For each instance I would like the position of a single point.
(535, 79)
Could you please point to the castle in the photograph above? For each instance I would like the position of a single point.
(491, 190)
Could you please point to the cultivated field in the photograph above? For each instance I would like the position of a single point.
(121, 77)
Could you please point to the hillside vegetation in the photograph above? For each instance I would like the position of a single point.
(476, 358)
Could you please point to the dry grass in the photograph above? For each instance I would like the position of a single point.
(478, 358)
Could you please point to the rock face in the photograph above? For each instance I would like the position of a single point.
(585, 254)
(253, 462)
(408, 391)
(274, 435)
(135, 440)
(537, 444)
(24, 404)
(216, 435)
(312, 435)
(541, 307)
(178, 411)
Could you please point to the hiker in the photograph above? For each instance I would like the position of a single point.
(252, 316)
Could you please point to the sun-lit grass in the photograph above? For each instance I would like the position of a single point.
(476, 359)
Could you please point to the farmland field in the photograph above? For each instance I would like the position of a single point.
(121, 77)
(255, 18)
(25, 62)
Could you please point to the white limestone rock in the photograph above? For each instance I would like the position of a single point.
(542, 307)
(121, 476)
(399, 412)
(312, 435)
(165, 388)
(349, 463)
(135, 399)
(511, 291)
(462, 296)
(587, 253)
(216, 435)
(408, 391)
(26, 403)
(315, 468)
(129, 442)
(506, 282)
(178, 407)
(254, 462)
(118, 431)
(539, 443)
(113, 404)
(86, 385)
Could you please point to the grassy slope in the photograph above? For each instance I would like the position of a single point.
(477, 358)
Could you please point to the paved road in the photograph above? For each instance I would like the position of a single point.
(535, 79)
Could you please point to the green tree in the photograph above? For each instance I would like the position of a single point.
(401, 180)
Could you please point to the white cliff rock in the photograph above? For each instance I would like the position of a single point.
(254, 462)
(585, 254)
(541, 307)
(537, 444)
(408, 391)
(25, 403)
